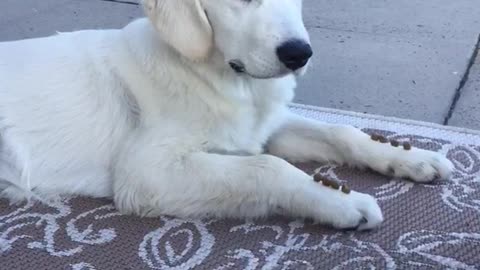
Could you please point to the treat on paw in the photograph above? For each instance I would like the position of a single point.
(383, 139)
(375, 137)
(407, 146)
(379, 138)
(330, 183)
(394, 143)
(346, 189)
(317, 178)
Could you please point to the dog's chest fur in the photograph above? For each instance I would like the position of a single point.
(234, 115)
(244, 122)
(205, 103)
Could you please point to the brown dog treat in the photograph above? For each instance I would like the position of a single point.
(407, 146)
(383, 139)
(317, 178)
(375, 137)
(346, 189)
(326, 182)
(330, 183)
(335, 185)
(394, 143)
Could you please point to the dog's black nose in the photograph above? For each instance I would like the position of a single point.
(294, 53)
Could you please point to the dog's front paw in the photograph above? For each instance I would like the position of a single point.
(357, 211)
(422, 166)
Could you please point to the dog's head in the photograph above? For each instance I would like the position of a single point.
(260, 38)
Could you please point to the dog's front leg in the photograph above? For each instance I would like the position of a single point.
(204, 184)
(301, 139)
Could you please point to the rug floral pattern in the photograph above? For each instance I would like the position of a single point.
(427, 226)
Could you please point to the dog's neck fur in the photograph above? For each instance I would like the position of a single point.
(213, 84)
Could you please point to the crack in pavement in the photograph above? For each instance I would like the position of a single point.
(458, 91)
(122, 2)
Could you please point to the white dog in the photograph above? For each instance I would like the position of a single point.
(172, 114)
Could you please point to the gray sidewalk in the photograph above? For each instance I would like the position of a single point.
(404, 58)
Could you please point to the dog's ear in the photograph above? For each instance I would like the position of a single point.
(183, 24)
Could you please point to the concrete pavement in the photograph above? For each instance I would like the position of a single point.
(403, 58)
(32, 18)
(467, 108)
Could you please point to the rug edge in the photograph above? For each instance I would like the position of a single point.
(387, 118)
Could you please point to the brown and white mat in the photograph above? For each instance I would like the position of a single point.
(434, 226)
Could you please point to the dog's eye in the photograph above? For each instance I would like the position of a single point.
(247, 2)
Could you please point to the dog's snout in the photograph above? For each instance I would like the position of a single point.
(294, 54)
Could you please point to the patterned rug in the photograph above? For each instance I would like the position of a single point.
(435, 226)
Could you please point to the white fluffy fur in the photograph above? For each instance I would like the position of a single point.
(136, 115)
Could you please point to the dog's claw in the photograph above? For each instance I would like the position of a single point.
(364, 220)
